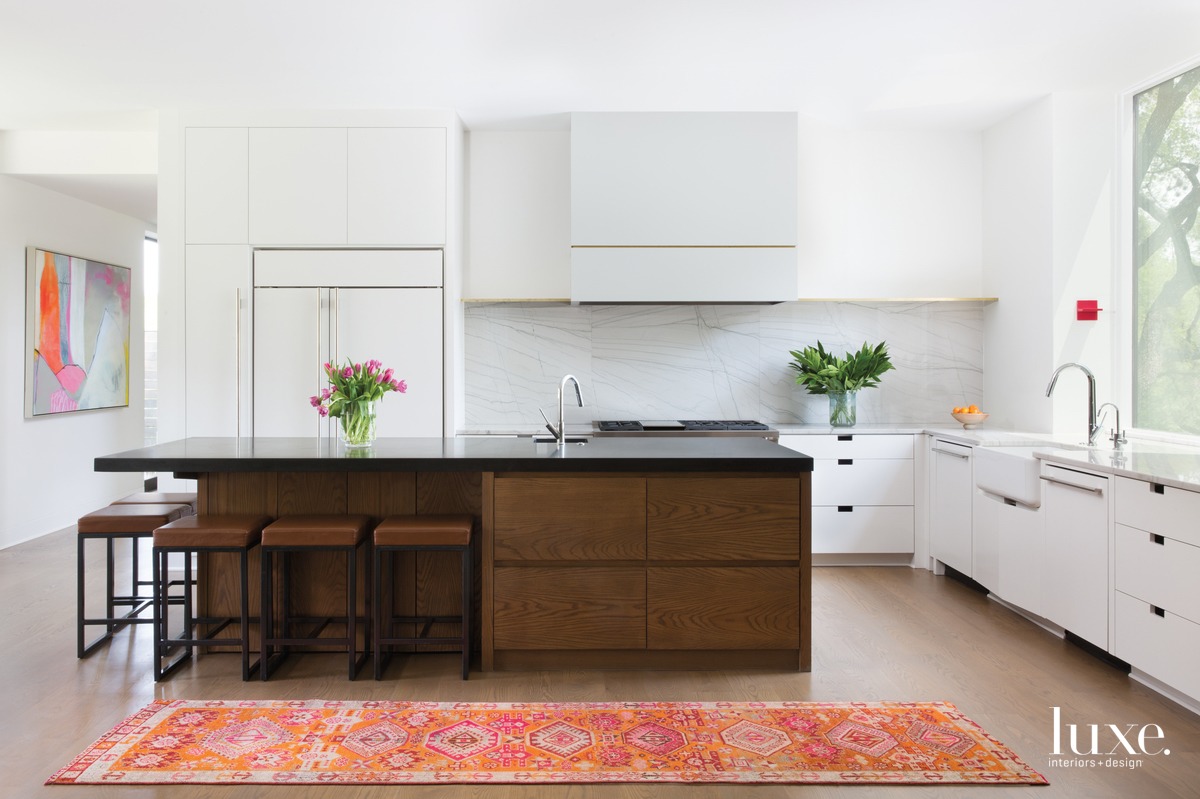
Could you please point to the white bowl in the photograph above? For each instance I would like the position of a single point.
(970, 420)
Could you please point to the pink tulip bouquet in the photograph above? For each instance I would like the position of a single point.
(351, 396)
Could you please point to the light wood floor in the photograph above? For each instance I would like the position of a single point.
(878, 634)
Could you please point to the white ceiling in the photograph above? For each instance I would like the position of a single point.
(520, 64)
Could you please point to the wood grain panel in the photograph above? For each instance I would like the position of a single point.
(381, 494)
(569, 608)
(723, 608)
(238, 492)
(311, 492)
(450, 492)
(570, 518)
(727, 518)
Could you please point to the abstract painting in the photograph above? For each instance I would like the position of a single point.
(76, 334)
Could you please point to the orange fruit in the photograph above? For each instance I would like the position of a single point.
(972, 409)
(957, 410)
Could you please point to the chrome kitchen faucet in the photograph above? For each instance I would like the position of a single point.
(1093, 427)
(561, 433)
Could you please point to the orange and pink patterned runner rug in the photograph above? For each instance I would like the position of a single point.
(324, 742)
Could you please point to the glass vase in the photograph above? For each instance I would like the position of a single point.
(843, 408)
(357, 424)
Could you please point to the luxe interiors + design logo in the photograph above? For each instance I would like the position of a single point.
(1104, 745)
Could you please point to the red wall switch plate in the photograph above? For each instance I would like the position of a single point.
(1087, 310)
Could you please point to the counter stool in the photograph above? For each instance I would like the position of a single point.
(160, 498)
(238, 533)
(448, 533)
(324, 533)
(133, 522)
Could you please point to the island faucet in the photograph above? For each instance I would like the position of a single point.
(1093, 426)
(561, 433)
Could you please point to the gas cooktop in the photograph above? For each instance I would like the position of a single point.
(693, 426)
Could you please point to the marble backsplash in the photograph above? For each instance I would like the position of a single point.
(713, 361)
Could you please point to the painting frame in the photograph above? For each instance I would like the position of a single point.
(78, 325)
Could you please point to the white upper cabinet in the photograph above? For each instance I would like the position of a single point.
(683, 179)
(215, 205)
(397, 186)
(298, 185)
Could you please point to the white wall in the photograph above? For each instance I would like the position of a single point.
(46, 476)
(1018, 268)
(882, 214)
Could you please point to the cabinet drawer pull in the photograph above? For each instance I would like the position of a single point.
(1089, 489)
(1158, 488)
(1157, 611)
(845, 509)
(1158, 539)
(948, 452)
(845, 438)
(845, 461)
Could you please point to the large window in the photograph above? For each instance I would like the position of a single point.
(1166, 345)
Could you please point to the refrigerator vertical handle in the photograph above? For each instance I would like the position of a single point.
(237, 361)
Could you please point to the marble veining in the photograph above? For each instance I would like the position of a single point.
(713, 361)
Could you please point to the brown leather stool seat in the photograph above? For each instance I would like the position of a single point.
(288, 535)
(444, 533)
(236, 533)
(160, 498)
(112, 523)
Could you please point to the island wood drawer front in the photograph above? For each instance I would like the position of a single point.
(1166, 647)
(723, 518)
(723, 608)
(1165, 510)
(1159, 570)
(850, 445)
(863, 482)
(570, 518)
(544, 607)
(862, 528)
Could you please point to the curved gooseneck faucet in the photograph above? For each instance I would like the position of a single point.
(561, 433)
(1092, 425)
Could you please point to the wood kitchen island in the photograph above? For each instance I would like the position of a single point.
(619, 553)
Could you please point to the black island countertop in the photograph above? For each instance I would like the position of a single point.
(715, 454)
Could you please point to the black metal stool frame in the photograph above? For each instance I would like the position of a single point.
(386, 577)
(268, 657)
(163, 643)
(134, 600)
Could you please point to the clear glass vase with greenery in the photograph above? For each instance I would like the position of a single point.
(822, 372)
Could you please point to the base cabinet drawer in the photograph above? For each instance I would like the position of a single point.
(852, 481)
(723, 608)
(1166, 647)
(1159, 570)
(851, 445)
(569, 608)
(867, 529)
(1165, 510)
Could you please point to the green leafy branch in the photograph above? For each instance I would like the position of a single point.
(820, 371)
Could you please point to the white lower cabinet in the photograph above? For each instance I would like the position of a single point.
(1076, 507)
(951, 489)
(862, 492)
(1157, 596)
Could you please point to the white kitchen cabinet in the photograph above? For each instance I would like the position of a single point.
(297, 186)
(862, 492)
(1157, 597)
(216, 185)
(1008, 544)
(951, 489)
(1076, 510)
(297, 328)
(216, 350)
(396, 191)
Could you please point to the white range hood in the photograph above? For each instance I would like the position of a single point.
(683, 207)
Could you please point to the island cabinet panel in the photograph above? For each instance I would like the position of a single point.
(723, 518)
(570, 518)
(723, 608)
(561, 608)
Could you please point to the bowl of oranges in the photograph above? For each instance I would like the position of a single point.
(969, 416)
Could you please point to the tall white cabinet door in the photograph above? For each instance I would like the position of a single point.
(397, 186)
(290, 346)
(216, 350)
(1076, 510)
(217, 190)
(952, 490)
(298, 185)
(402, 327)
